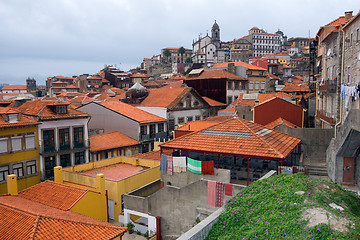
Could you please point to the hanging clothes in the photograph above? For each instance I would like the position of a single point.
(207, 167)
(169, 165)
(194, 165)
(179, 164)
(228, 189)
(219, 194)
(211, 196)
(163, 163)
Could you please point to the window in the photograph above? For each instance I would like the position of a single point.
(16, 143)
(160, 127)
(78, 137)
(64, 138)
(236, 85)
(3, 145)
(189, 118)
(143, 130)
(251, 85)
(18, 170)
(49, 167)
(65, 160)
(181, 120)
(4, 171)
(31, 167)
(61, 109)
(152, 130)
(243, 85)
(48, 140)
(262, 85)
(256, 85)
(30, 142)
(197, 117)
(79, 158)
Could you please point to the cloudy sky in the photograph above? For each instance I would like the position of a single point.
(41, 38)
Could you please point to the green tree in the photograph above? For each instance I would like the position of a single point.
(167, 54)
(181, 51)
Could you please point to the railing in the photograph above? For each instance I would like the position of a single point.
(329, 86)
(53, 149)
(64, 147)
(325, 116)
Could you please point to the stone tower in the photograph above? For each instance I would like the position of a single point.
(215, 35)
(30, 85)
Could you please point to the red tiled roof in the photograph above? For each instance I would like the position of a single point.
(213, 102)
(153, 155)
(132, 112)
(24, 219)
(248, 140)
(229, 109)
(262, 97)
(216, 74)
(246, 65)
(270, 75)
(202, 124)
(22, 119)
(14, 87)
(40, 108)
(53, 194)
(174, 48)
(278, 122)
(110, 140)
(166, 97)
(297, 87)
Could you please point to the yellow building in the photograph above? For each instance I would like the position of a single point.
(50, 210)
(122, 175)
(19, 149)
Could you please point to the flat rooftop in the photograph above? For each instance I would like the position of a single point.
(115, 172)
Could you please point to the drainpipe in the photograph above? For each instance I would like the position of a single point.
(341, 79)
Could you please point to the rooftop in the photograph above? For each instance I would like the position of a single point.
(279, 122)
(216, 74)
(237, 137)
(22, 119)
(242, 64)
(110, 140)
(115, 172)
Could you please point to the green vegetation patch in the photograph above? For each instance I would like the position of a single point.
(275, 208)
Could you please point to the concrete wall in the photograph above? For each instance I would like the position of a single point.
(182, 179)
(314, 142)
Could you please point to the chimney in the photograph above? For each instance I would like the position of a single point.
(12, 185)
(100, 183)
(58, 174)
(256, 103)
(348, 15)
(231, 68)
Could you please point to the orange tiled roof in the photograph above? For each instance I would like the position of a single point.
(22, 119)
(246, 65)
(110, 140)
(278, 122)
(40, 109)
(14, 87)
(270, 75)
(229, 109)
(216, 74)
(53, 194)
(202, 124)
(213, 102)
(262, 97)
(24, 219)
(297, 87)
(132, 112)
(166, 97)
(238, 137)
(153, 155)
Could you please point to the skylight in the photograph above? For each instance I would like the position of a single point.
(227, 134)
(263, 132)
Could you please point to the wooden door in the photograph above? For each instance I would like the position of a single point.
(348, 170)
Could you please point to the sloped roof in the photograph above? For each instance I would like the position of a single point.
(238, 137)
(243, 64)
(278, 122)
(110, 140)
(202, 124)
(24, 219)
(229, 110)
(166, 97)
(297, 87)
(213, 102)
(14, 87)
(132, 112)
(53, 194)
(22, 119)
(41, 110)
(243, 100)
(216, 74)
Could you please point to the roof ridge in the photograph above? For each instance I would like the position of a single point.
(259, 137)
(36, 225)
(179, 97)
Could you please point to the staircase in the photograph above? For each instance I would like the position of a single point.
(319, 171)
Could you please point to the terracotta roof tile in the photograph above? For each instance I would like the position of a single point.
(132, 112)
(14, 87)
(24, 219)
(262, 97)
(239, 137)
(202, 124)
(53, 194)
(243, 64)
(297, 87)
(153, 155)
(279, 122)
(229, 110)
(22, 122)
(213, 102)
(110, 140)
(216, 74)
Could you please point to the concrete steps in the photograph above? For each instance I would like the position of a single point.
(316, 170)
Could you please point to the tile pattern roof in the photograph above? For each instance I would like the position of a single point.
(24, 219)
(213, 102)
(297, 87)
(229, 110)
(243, 64)
(279, 122)
(216, 74)
(115, 172)
(253, 140)
(41, 110)
(14, 87)
(202, 124)
(110, 140)
(262, 97)
(132, 112)
(153, 155)
(53, 194)
(22, 119)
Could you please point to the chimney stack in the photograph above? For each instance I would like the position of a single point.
(12, 185)
(348, 15)
(256, 103)
(100, 183)
(58, 175)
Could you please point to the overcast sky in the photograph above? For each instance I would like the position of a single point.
(40, 38)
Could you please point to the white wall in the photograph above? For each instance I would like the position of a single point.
(158, 111)
(186, 113)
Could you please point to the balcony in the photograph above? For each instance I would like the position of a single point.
(150, 137)
(47, 149)
(325, 116)
(329, 86)
(64, 147)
